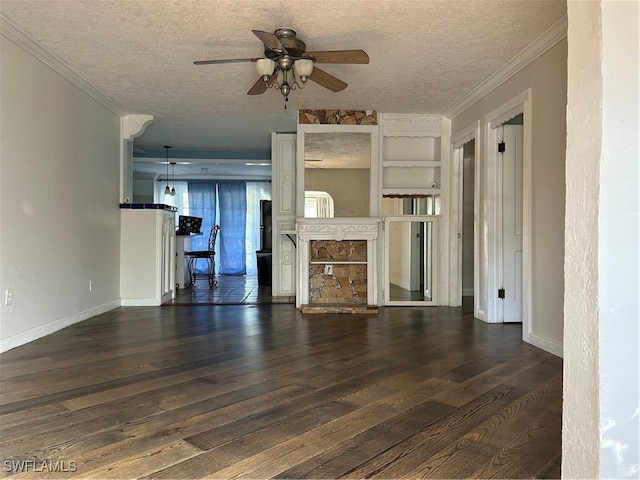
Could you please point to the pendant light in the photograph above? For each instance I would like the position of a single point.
(173, 179)
(167, 189)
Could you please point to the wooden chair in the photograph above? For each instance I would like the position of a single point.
(208, 255)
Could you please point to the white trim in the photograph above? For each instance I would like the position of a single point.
(142, 302)
(548, 39)
(465, 135)
(444, 239)
(14, 33)
(455, 263)
(410, 125)
(546, 344)
(133, 126)
(51, 327)
(520, 104)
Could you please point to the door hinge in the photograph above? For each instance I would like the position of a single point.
(501, 293)
(501, 147)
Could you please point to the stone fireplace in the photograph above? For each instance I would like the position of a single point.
(337, 268)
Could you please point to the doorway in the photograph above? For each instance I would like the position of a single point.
(468, 233)
(467, 270)
(508, 213)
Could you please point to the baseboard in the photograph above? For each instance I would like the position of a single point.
(467, 292)
(44, 330)
(140, 302)
(545, 344)
(400, 283)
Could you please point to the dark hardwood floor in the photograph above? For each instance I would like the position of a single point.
(261, 391)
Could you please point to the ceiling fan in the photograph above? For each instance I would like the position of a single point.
(286, 61)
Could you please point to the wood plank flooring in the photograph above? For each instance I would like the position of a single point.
(262, 391)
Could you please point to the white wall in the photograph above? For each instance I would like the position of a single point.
(546, 76)
(601, 427)
(400, 254)
(59, 163)
(143, 189)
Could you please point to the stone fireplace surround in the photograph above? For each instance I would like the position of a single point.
(338, 229)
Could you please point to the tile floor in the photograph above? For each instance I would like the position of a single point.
(230, 290)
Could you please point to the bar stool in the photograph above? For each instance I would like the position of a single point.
(208, 255)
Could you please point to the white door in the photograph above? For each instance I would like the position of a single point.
(512, 222)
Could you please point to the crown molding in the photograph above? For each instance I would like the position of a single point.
(548, 39)
(11, 31)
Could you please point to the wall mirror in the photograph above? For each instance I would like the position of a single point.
(337, 171)
(411, 260)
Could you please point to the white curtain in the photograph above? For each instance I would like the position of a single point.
(179, 200)
(256, 191)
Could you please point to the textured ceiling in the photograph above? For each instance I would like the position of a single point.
(425, 56)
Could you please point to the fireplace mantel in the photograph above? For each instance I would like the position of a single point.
(338, 229)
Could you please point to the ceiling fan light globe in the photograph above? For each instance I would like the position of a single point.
(265, 67)
(304, 67)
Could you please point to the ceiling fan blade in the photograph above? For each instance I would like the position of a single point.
(270, 41)
(327, 81)
(260, 86)
(340, 56)
(230, 60)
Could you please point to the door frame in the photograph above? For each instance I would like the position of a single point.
(493, 203)
(471, 132)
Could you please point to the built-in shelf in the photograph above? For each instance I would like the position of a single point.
(410, 191)
(411, 148)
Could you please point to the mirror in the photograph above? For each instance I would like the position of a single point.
(410, 243)
(337, 170)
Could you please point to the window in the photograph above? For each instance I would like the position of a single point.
(318, 205)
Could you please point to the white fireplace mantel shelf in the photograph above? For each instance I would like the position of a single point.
(340, 228)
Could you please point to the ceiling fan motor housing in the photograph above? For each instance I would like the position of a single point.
(295, 47)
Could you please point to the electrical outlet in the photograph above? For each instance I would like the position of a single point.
(328, 269)
(91, 285)
(8, 296)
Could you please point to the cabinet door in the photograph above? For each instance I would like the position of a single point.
(283, 147)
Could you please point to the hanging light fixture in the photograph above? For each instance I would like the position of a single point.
(167, 189)
(283, 74)
(173, 178)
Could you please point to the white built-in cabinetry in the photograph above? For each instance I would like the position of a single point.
(283, 191)
(411, 147)
(415, 171)
(147, 256)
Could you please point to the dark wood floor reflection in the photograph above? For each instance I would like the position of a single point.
(399, 294)
(229, 290)
(261, 391)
